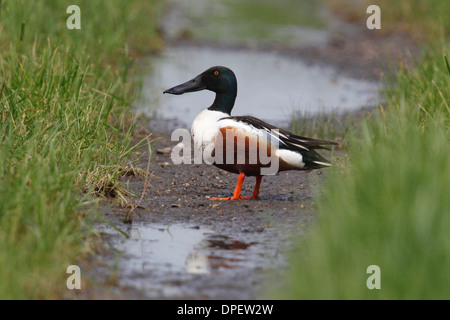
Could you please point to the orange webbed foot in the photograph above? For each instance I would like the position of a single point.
(237, 191)
(227, 198)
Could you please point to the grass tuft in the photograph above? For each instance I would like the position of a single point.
(63, 124)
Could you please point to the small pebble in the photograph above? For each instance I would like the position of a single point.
(166, 150)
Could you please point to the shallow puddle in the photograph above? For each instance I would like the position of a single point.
(185, 261)
(270, 86)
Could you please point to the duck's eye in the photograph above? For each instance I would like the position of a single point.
(216, 73)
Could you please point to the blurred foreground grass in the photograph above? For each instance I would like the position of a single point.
(389, 205)
(421, 19)
(60, 91)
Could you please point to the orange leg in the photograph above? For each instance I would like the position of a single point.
(237, 191)
(255, 194)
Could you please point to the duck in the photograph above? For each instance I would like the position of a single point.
(224, 138)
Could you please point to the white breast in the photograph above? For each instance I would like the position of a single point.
(206, 127)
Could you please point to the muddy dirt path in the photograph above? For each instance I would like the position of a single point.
(182, 244)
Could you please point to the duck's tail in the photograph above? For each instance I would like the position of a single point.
(311, 158)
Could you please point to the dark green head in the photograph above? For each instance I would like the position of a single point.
(220, 80)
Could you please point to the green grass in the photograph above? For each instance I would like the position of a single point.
(330, 126)
(63, 114)
(389, 204)
(264, 14)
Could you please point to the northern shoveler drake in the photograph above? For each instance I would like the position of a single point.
(210, 128)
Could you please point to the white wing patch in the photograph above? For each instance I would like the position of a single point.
(250, 130)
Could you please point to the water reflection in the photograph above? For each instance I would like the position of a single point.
(157, 256)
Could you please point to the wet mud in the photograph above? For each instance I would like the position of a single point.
(183, 245)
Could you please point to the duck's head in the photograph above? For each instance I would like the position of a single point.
(220, 80)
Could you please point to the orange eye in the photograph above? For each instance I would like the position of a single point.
(216, 73)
